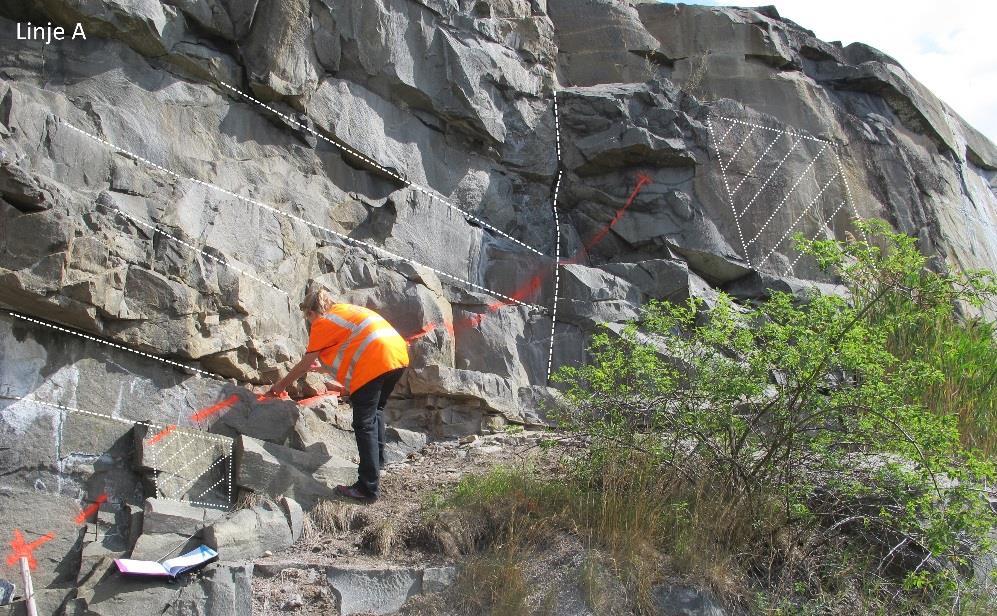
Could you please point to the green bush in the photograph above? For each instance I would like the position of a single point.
(817, 402)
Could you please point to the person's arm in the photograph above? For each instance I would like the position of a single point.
(294, 374)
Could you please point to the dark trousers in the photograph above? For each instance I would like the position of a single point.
(368, 426)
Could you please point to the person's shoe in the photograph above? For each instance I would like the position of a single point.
(355, 493)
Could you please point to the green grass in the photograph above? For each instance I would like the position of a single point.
(966, 355)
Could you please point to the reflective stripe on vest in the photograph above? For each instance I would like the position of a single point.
(356, 330)
(371, 337)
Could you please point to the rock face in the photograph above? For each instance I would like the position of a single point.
(404, 155)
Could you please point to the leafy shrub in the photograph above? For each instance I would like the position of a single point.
(814, 402)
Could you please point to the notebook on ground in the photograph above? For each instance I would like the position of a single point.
(168, 568)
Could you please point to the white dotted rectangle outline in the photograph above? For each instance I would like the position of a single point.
(800, 135)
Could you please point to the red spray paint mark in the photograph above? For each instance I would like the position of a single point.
(270, 398)
(20, 548)
(475, 320)
(214, 408)
(316, 399)
(642, 181)
(429, 328)
(91, 508)
(534, 283)
(519, 294)
(155, 438)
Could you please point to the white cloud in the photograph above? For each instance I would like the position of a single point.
(948, 46)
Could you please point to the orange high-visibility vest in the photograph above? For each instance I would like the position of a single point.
(356, 345)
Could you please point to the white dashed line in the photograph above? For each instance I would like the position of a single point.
(557, 279)
(557, 239)
(429, 193)
(848, 190)
(70, 409)
(200, 504)
(730, 196)
(143, 422)
(222, 262)
(269, 208)
(116, 346)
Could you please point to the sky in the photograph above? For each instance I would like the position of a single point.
(948, 46)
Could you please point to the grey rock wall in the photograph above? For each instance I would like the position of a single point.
(694, 141)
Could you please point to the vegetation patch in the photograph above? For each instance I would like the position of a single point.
(820, 455)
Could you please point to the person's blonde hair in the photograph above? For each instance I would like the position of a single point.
(318, 301)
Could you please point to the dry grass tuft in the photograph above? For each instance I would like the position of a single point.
(493, 582)
(329, 516)
(382, 537)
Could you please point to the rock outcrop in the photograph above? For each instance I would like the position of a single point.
(171, 186)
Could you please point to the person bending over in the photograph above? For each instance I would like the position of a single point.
(365, 354)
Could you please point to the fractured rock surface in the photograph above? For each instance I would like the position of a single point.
(694, 141)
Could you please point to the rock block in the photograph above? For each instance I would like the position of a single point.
(165, 545)
(438, 579)
(219, 590)
(400, 443)
(104, 539)
(47, 600)
(162, 516)
(491, 391)
(295, 517)
(686, 601)
(325, 428)
(656, 278)
(35, 513)
(248, 533)
(759, 286)
(271, 420)
(279, 471)
(596, 55)
(593, 296)
(376, 591)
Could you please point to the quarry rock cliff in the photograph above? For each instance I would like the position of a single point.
(175, 182)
